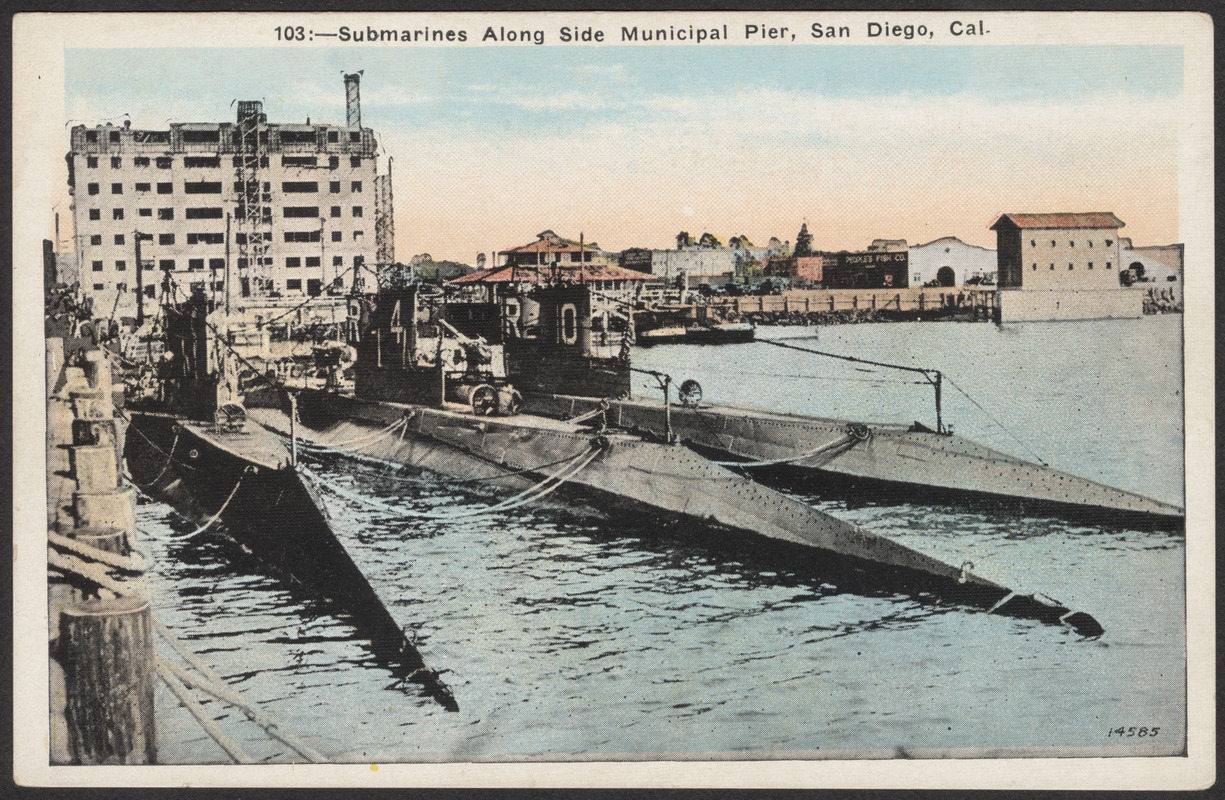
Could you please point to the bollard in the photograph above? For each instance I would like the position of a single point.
(94, 467)
(106, 649)
(114, 508)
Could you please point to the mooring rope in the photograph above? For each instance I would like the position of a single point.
(209, 523)
(1001, 425)
(91, 553)
(231, 748)
(572, 465)
(169, 456)
(363, 440)
(845, 443)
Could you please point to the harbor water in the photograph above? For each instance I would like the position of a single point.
(566, 633)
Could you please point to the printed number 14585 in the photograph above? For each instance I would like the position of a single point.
(1136, 732)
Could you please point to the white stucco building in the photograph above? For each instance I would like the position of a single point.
(950, 262)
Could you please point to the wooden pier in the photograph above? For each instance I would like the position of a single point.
(980, 303)
(100, 626)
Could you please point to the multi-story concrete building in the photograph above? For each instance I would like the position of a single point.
(284, 210)
(1061, 266)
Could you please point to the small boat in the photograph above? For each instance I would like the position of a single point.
(191, 446)
(720, 333)
(432, 397)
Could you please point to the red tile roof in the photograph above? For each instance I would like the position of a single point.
(543, 274)
(1094, 219)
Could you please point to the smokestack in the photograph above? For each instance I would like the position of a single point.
(353, 101)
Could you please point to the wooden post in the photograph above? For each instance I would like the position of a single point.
(89, 404)
(108, 659)
(112, 540)
(114, 508)
(94, 467)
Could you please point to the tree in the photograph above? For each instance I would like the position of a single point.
(710, 240)
(803, 241)
(683, 240)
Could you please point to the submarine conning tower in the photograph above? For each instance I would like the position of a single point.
(557, 355)
(409, 352)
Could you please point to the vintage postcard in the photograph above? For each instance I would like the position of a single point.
(682, 399)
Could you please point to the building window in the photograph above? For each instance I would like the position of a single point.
(293, 262)
(1090, 242)
(91, 136)
(216, 264)
(165, 188)
(218, 286)
(163, 162)
(357, 211)
(338, 261)
(1109, 242)
(299, 161)
(1107, 265)
(357, 235)
(1052, 242)
(201, 162)
(121, 266)
(165, 213)
(166, 265)
(299, 187)
(116, 213)
(333, 137)
(356, 186)
(116, 188)
(91, 161)
(1090, 265)
(202, 187)
(114, 136)
(119, 238)
(293, 284)
(145, 212)
(314, 287)
(301, 211)
(1070, 266)
(301, 236)
(141, 161)
(95, 213)
(203, 213)
(142, 187)
(96, 239)
(1034, 267)
(150, 291)
(334, 187)
(116, 162)
(98, 287)
(335, 211)
(92, 188)
(1071, 244)
(165, 238)
(97, 266)
(1033, 243)
(1052, 266)
(312, 261)
(355, 161)
(337, 236)
(195, 263)
(333, 162)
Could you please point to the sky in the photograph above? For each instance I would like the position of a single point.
(628, 145)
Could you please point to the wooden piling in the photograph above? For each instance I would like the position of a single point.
(112, 540)
(113, 508)
(94, 467)
(108, 658)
